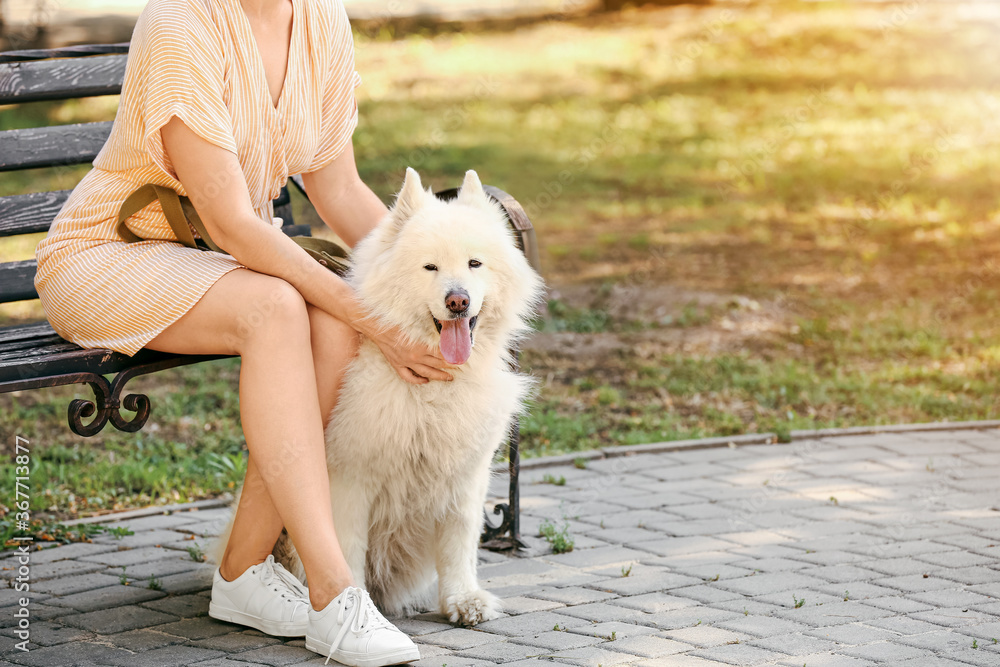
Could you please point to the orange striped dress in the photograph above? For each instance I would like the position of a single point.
(198, 60)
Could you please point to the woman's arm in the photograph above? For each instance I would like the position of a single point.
(341, 198)
(214, 181)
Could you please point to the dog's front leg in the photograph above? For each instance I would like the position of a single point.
(457, 536)
(351, 509)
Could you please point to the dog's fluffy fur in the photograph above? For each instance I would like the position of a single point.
(410, 464)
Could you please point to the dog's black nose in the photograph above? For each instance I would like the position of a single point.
(457, 301)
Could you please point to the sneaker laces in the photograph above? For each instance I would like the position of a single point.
(276, 572)
(359, 615)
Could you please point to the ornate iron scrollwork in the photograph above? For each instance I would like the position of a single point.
(107, 405)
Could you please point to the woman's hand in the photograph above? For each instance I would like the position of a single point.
(416, 363)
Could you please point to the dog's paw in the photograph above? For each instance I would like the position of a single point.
(472, 608)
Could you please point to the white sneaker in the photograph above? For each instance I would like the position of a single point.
(266, 597)
(352, 631)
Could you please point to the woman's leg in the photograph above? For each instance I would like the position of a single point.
(266, 322)
(258, 524)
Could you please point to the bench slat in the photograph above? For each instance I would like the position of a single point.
(52, 146)
(29, 351)
(31, 213)
(17, 281)
(61, 79)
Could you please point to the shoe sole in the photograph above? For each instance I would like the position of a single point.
(276, 628)
(352, 659)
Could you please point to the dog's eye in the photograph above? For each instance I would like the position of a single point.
(430, 267)
(474, 263)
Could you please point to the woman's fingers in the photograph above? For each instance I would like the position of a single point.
(431, 373)
(409, 376)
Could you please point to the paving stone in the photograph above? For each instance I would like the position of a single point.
(141, 639)
(827, 660)
(954, 597)
(77, 583)
(503, 652)
(952, 617)
(601, 612)
(738, 654)
(69, 551)
(899, 605)
(461, 638)
(10, 597)
(415, 626)
(141, 538)
(591, 656)
(975, 657)
(638, 583)
(39, 612)
(833, 613)
(164, 567)
(105, 598)
(616, 629)
(523, 605)
(762, 626)
(969, 575)
(761, 584)
(557, 641)
(85, 653)
(573, 595)
(853, 634)
(932, 661)
(46, 633)
(707, 593)
(646, 646)
(946, 641)
(198, 628)
(128, 557)
(903, 625)
(62, 568)
(688, 617)
(674, 546)
(677, 661)
(277, 654)
(653, 602)
(884, 652)
(593, 558)
(451, 661)
(235, 642)
(184, 606)
(705, 636)
(117, 619)
(527, 624)
(795, 644)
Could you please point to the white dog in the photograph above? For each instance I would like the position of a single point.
(410, 464)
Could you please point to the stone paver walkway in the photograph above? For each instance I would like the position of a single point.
(859, 550)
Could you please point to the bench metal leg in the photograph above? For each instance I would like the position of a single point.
(506, 536)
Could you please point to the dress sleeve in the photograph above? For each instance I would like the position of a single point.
(339, 107)
(181, 73)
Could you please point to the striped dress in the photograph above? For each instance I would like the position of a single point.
(198, 60)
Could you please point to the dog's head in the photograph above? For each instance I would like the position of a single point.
(447, 273)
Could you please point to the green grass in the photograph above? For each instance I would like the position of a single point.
(758, 218)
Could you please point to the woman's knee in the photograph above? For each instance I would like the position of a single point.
(275, 312)
(327, 331)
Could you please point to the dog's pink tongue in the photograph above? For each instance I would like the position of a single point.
(456, 340)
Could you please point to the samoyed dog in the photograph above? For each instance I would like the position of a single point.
(410, 464)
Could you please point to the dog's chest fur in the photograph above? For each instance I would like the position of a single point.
(415, 440)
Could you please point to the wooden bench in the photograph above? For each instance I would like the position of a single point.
(32, 355)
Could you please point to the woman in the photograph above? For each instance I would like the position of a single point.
(222, 100)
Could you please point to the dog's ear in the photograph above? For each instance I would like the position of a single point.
(472, 192)
(410, 198)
